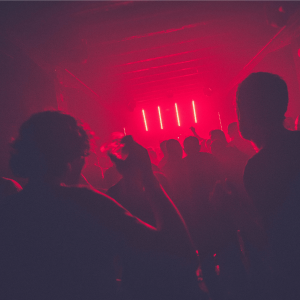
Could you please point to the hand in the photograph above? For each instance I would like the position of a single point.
(193, 129)
(138, 159)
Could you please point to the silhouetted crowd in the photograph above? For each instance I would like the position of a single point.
(209, 220)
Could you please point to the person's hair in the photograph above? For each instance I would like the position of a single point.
(217, 134)
(191, 145)
(47, 142)
(263, 97)
(174, 148)
(233, 129)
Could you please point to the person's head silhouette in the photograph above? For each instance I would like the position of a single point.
(217, 134)
(174, 149)
(233, 130)
(50, 145)
(191, 145)
(262, 100)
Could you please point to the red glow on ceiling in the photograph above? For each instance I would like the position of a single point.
(145, 121)
(177, 114)
(157, 33)
(82, 83)
(195, 73)
(159, 47)
(160, 119)
(166, 56)
(163, 73)
(270, 41)
(194, 109)
(167, 65)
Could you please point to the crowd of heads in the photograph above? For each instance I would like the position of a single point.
(51, 140)
(52, 146)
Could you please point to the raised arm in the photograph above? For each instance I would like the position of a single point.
(196, 134)
(170, 233)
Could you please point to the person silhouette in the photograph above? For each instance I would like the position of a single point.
(163, 149)
(269, 176)
(61, 242)
(173, 170)
(202, 170)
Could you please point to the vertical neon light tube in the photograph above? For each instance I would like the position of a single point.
(145, 121)
(194, 109)
(177, 114)
(124, 131)
(160, 120)
(220, 121)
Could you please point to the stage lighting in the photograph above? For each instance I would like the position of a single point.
(145, 121)
(160, 119)
(194, 109)
(177, 114)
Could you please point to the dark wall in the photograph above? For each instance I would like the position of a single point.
(282, 63)
(24, 89)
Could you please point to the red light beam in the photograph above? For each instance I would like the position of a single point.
(160, 119)
(194, 109)
(220, 121)
(177, 114)
(145, 121)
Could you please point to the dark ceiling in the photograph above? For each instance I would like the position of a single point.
(141, 52)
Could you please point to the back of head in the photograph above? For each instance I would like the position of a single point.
(262, 99)
(174, 149)
(47, 142)
(191, 145)
(233, 130)
(217, 134)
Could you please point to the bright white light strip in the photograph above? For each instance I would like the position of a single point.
(160, 120)
(220, 121)
(145, 121)
(194, 109)
(177, 114)
(124, 131)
